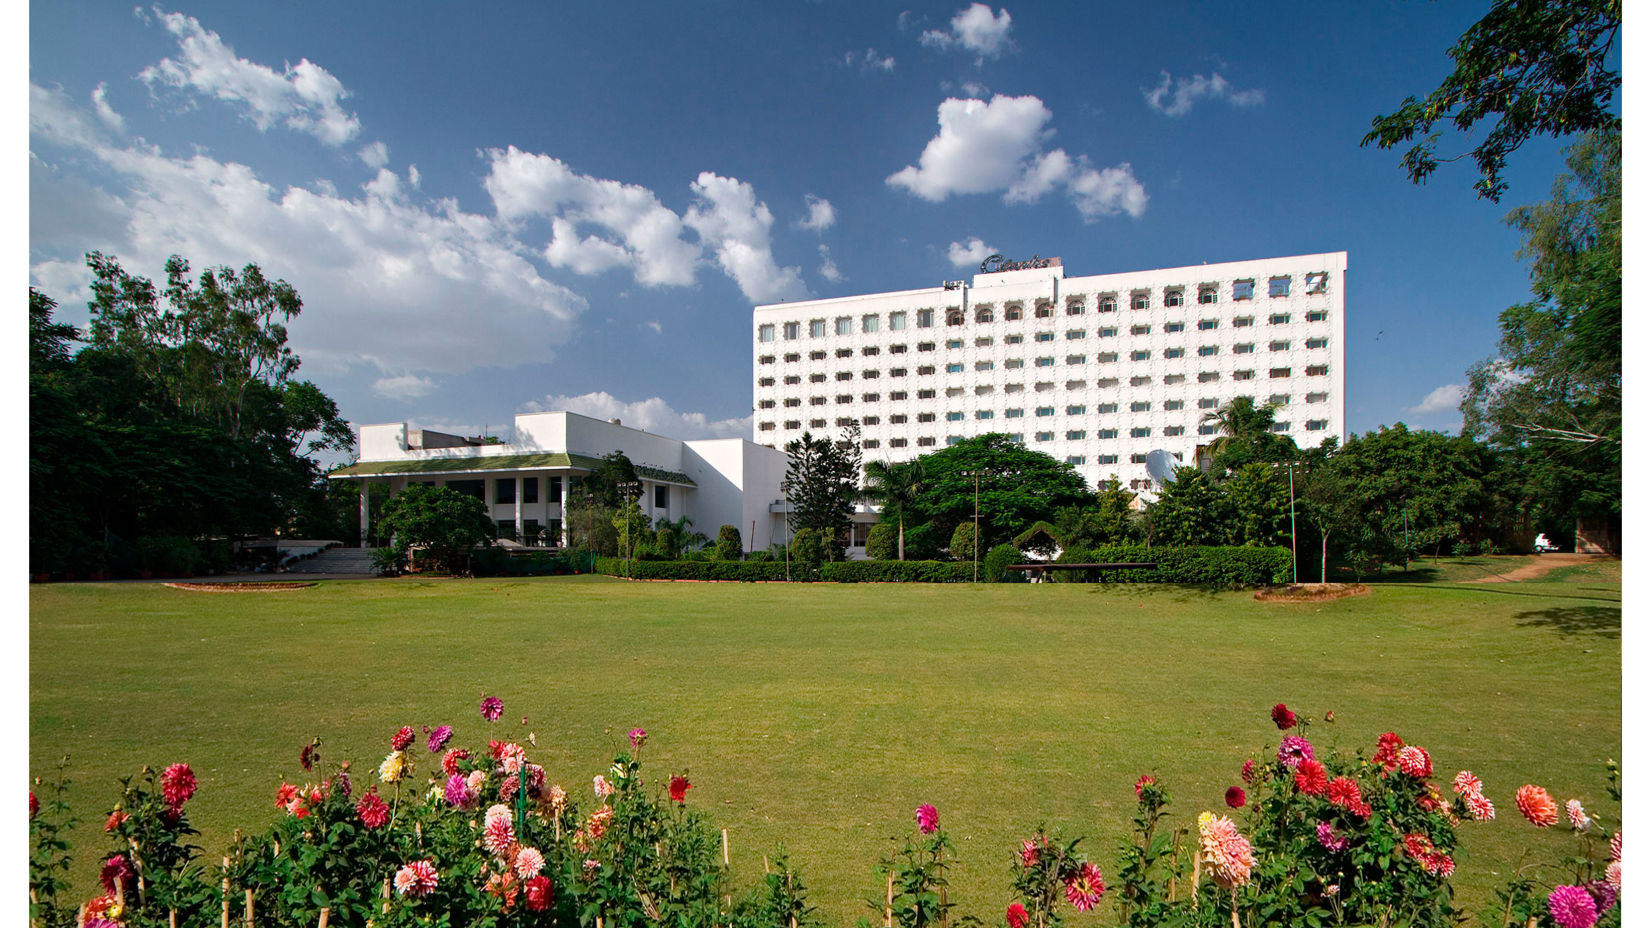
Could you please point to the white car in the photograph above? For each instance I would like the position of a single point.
(1542, 545)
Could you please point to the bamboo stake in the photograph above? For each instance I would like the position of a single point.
(888, 907)
(724, 847)
(137, 864)
(226, 892)
(172, 918)
(1197, 871)
(942, 907)
(120, 893)
(249, 908)
(386, 895)
(765, 864)
(326, 911)
(1234, 909)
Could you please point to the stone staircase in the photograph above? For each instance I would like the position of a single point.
(355, 561)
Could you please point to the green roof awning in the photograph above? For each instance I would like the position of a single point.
(480, 464)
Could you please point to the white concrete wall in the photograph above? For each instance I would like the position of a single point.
(386, 442)
(737, 480)
(988, 385)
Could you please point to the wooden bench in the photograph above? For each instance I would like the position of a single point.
(1035, 571)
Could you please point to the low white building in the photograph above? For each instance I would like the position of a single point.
(524, 482)
(1098, 371)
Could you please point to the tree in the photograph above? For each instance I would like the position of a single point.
(729, 546)
(821, 485)
(447, 524)
(1552, 399)
(1191, 509)
(613, 481)
(894, 487)
(1536, 68)
(1111, 520)
(964, 542)
(881, 543)
(1259, 501)
(1017, 487)
(1246, 436)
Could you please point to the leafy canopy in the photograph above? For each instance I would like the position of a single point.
(1017, 487)
(822, 485)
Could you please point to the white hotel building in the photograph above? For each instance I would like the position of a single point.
(1097, 371)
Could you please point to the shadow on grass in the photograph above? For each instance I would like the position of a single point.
(1487, 589)
(1601, 621)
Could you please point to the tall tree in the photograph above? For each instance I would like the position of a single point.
(1191, 509)
(894, 487)
(1017, 487)
(1536, 67)
(822, 484)
(1245, 435)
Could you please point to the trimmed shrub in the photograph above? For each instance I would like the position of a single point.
(962, 542)
(168, 556)
(745, 571)
(729, 546)
(808, 548)
(1230, 566)
(882, 543)
(994, 568)
(896, 572)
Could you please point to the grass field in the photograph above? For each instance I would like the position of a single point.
(821, 715)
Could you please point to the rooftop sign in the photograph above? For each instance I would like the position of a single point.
(997, 263)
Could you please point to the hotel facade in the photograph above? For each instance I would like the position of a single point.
(1112, 373)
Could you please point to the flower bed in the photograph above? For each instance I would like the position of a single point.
(440, 834)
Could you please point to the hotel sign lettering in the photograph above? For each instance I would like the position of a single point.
(996, 263)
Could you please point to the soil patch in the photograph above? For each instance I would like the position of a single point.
(255, 587)
(1311, 592)
(1542, 566)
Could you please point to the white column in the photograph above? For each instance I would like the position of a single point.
(364, 510)
(519, 533)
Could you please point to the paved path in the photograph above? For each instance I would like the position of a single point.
(1540, 567)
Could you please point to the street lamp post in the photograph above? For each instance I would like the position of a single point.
(627, 487)
(976, 475)
(1294, 555)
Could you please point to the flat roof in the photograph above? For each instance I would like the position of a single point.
(546, 460)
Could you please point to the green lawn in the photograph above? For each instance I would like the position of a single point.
(822, 715)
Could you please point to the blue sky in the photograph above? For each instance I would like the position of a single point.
(512, 208)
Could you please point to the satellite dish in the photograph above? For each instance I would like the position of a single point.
(1160, 466)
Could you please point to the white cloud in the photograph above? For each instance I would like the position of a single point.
(105, 112)
(657, 326)
(976, 89)
(1446, 398)
(962, 254)
(649, 235)
(375, 155)
(827, 265)
(653, 415)
(405, 387)
(997, 146)
(305, 97)
(385, 281)
(734, 225)
(821, 214)
(868, 60)
(589, 255)
(976, 29)
(1175, 97)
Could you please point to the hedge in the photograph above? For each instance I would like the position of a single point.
(1232, 566)
(747, 571)
(897, 572)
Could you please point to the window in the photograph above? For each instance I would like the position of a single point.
(1076, 410)
(1174, 431)
(1014, 414)
(1106, 459)
(843, 399)
(925, 417)
(953, 417)
(764, 333)
(1277, 286)
(1014, 363)
(983, 414)
(1140, 431)
(765, 382)
(925, 370)
(953, 391)
(1045, 310)
(896, 322)
(1106, 383)
(925, 394)
(1208, 402)
(984, 389)
(1173, 327)
(1278, 319)
(1317, 343)
(869, 323)
(1045, 362)
(1208, 325)
(1243, 322)
(816, 328)
(1074, 307)
(870, 397)
(1074, 334)
(984, 365)
(1140, 406)
(1278, 399)
(1280, 426)
(816, 355)
(530, 486)
(661, 496)
(844, 325)
(1280, 345)
(1140, 299)
(925, 318)
(925, 346)
(869, 443)
(1142, 355)
(816, 378)
(1013, 312)
(896, 442)
(1279, 373)
(1106, 407)
(766, 404)
(954, 368)
(1015, 388)
(792, 401)
(925, 442)
(869, 375)
(793, 379)
(1013, 339)
(953, 317)
(1208, 377)
(984, 342)
(1316, 425)
(504, 490)
(870, 350)
(1208, 293)
(1077, 358)
(1075, 385)
(1172, 405)
(1317, 370)
(816, 423)
(1245, 348)
(896, 372)
(1105, 433)
(792, 357)
(766, 359)
(844, 375)
(1045, 336)
(896, 349)
(953, 343)
(1108, 332)
(1317, 282)
(1317, 315)
(952, 440)
(1243, 375)
(1045, 410)
(1174, 378)
(1140, 330)
(898, 418)
(1045, 436)
(1139, 381)
(984, 314)
(1174, 296)
(1172, 353)
(1206, 430)
(1317, 397)
(1243, 289)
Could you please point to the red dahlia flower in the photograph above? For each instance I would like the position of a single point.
(1282, 717)
(402, 739)
(116, 819)
(540, 893)
(1386, 750)
(928, 819)
(1085, 887)
(1311, 778)
(374, 812)
(34, 805)
(1344, 792)
(679, 786)
(1415, 761)
(177, 784)
(1017, 915)
(1236, 797)
(1140, 785)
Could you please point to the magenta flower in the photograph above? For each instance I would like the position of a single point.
(439, 738)
(1293, 750)
(491, 708)
(637, 736)
(1329, 838)
(928, 819)
(1572, 907)
(458, 791)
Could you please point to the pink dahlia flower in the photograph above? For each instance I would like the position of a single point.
(1414, 761)
(638, 736)
(1615, 846)
(1479, 807)
(1226, 853)
(1612, 875)
(928, 819)
(1572, 907)
(1578, 817)
(1293, 750)
(1329, 838)
(529, 862)
(1465, 782)
(458, 792)
(177, 784)
(416, 879)
(497, 834)
(603, 788)
(438, 739)
(491, 708)
(374, 812)
(1085, 887)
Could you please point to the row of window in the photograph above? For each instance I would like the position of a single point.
(1104, 357)
(1072, 409)
(1312, 425)
(1014, 310)
(1275, 373)
(1170, 328)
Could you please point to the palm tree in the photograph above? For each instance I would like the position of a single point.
(896, 486)
(1239, 421)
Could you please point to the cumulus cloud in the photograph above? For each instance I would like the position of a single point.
(652, 414)
(821, 214)
(962, 254)
(1176, 96)
(986, 147)
(827, 265)
(375, 155)
(735, 226)
(868, 60)
(405, 387)
(1446, 398)
(105, 112)
(386, 281)
(305, 97)
(976, 29)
